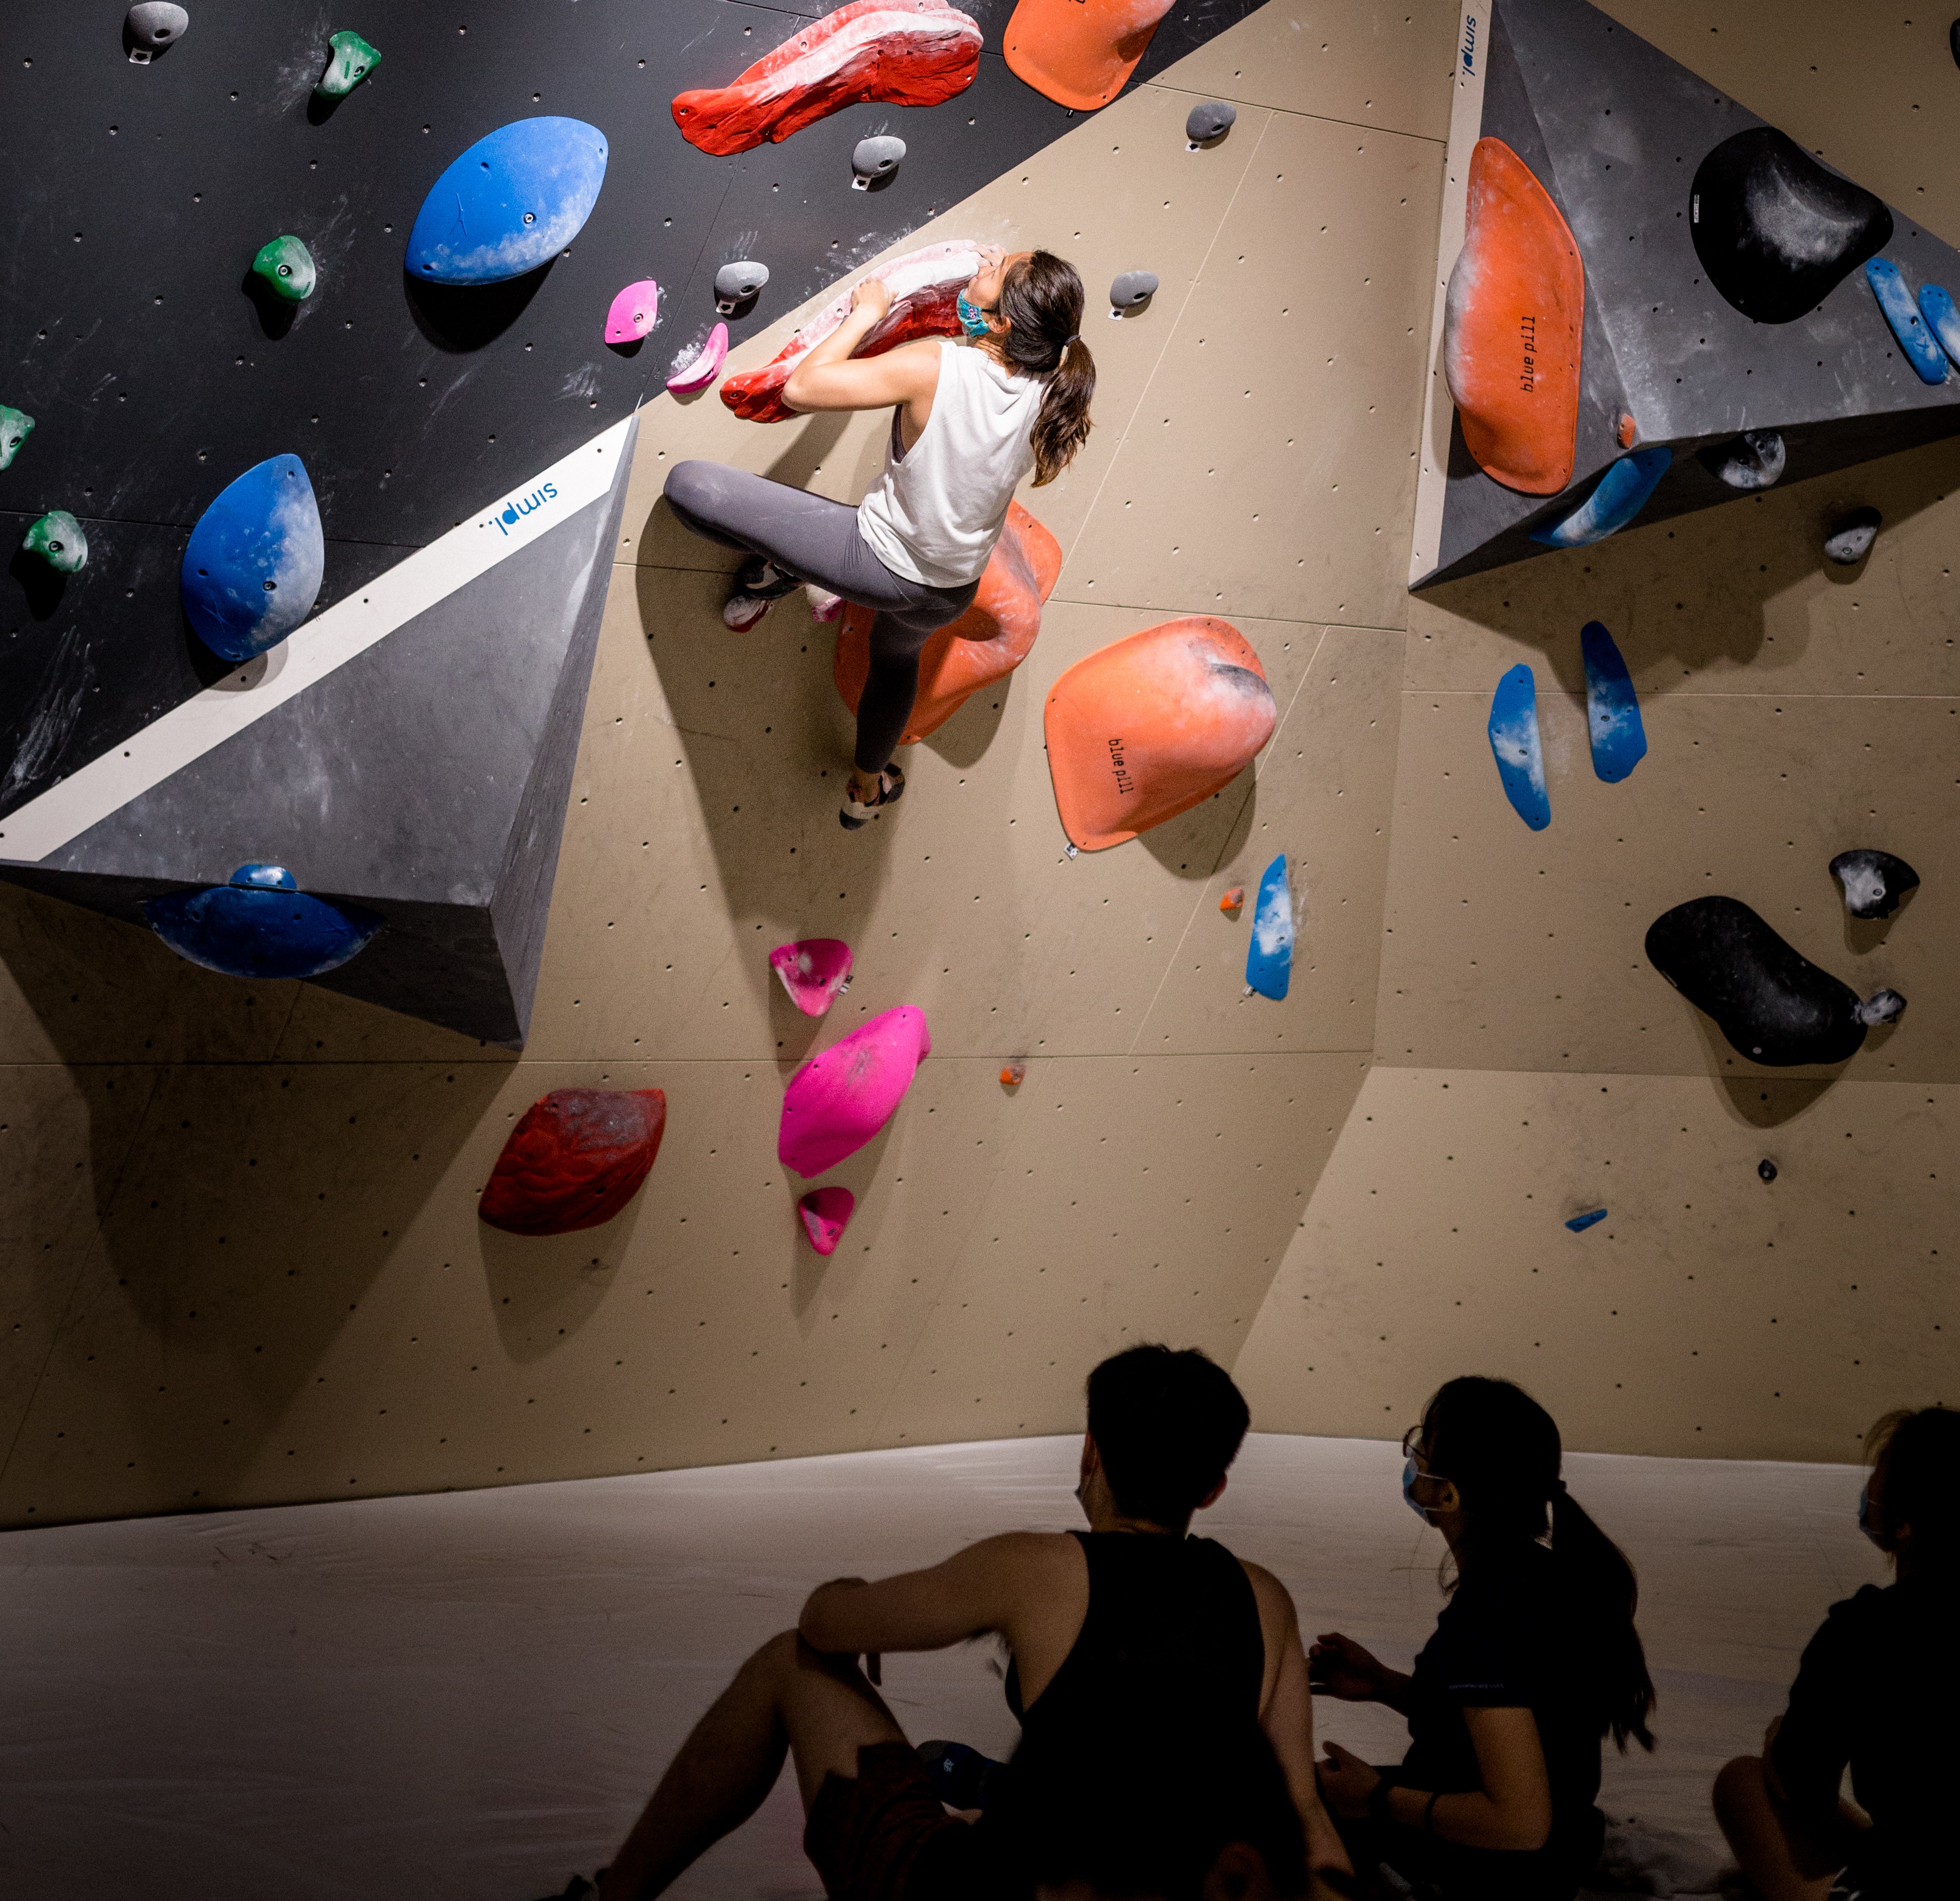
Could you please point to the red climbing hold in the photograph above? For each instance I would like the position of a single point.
(898, 52)
(985, 643)
(826, 1213)
(815, 971)
(576, 1157)
(1144, 729)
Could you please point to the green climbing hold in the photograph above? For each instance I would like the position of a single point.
(16, 425)
(287, 265)
(351, 60)
(57, 538)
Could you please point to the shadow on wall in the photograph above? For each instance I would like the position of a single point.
(1195, 843)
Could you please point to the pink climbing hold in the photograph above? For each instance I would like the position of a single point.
(838, 1101)
(633, 312)
(707, 364)
(815, 971)
(826, 1213)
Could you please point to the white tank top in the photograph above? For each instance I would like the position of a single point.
(936, 511)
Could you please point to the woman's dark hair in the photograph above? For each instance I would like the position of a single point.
(1041, 298)
(1166, 1424)
(1916, 1459)
(1500, 1449)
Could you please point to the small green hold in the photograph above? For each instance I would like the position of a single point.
(287, 265)
(16, 425)
(351, 60)
(57, 538)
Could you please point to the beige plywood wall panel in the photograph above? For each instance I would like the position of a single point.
(1710, 1314)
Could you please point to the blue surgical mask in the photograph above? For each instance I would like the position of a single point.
(972, 319)
(1410, 1476)
(1865, 1524)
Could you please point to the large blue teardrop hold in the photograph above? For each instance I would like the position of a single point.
(512, 202)
(261, 925)
(1269, 951)
(252, 570)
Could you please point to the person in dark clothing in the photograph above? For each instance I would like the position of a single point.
(1877, 1688)
(1534, 1658)
(1132, 1641)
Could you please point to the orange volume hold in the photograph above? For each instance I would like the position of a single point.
(1080, 53)
(1513, 327)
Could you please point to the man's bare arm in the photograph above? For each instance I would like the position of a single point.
(1288, 1720)
(974, 1591)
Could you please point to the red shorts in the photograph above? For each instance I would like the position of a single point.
(884, 1835)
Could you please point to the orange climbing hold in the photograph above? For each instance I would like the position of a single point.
(1234, 902)
(1080, 53)
(1013, 1075)
(985, 643)
(1145, 729)
(1513, 327)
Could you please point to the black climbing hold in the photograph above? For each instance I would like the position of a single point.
(1850, 540)
(149, 28)
(872, 159)
(1753, 459)
(1874, 882)
(1772, 1003)
(1212, 119)
(1775, 231)
(1132, 290)
(1767, 1169)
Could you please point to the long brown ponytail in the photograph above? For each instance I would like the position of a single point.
(1041, 298)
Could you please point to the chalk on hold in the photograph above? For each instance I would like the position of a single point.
(576, 1157)
(16, 425)
(1013, 1074)
(511, 203)
(1767, 1169)
(1520, 424)
(826, 1213)
(1212, 119)
(260, 924)
(349, 60)
(1917, 342)
(1132, 291)
(1621, 494)
(1580, 1224)
(900, 52)
(1080, 53)
(735, 284)
(1612, 708)
(1770, 1001)
(839, 1100)
(1146, 728)
(874, 158)
(1752, 460)
(253, 567)
(634, 312)
(1269, 951)
(1774, 230)
(1513, 733)
(705, 365)
(1874, 882)
(1936, 305)
(1234, 902)
(286, 267)
(985, 644)
(58, 539)
(152, 27)
(1850, 540)
(815, 971)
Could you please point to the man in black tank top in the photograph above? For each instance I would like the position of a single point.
(1167, 1745)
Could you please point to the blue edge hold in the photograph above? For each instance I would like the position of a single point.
(1269, 955)
(1515, 747)
(261, 925)
(1921, 348)
(1621, 494)
(1612, 708)
(1579, 1222)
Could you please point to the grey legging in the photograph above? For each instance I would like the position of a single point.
(816, 539)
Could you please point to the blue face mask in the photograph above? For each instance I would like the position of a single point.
(972, 319)
(1865, 1524)
(1410, 1476)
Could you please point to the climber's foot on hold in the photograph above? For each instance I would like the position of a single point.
(758, 584)
(867, 791)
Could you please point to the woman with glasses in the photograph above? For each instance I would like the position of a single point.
(1534, 1658)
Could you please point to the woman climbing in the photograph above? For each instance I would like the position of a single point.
(967, 423)
(1534, 1659)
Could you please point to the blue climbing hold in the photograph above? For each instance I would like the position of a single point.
(1936, 305)
(1580, 1224)
(1915, 335)
(261, 925)
(252, 568)
(1269, 955)
(1514, 742)
(1612, 707)
(512, 202)
(1621, 494)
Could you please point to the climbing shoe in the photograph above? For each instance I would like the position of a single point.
(959, 1773)
(758, 584)
(891, 789)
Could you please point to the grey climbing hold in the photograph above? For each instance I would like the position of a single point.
(288, 266)
(1131, 291)
(1767, 1169)
(57, 538)
(1874, 882)
(349, 61)
(735, 284)
(150, 27)
(1753, 459)
(1882, 1006)
(873, 158)
(1212, 119)
(1851, 541)
(16, 425)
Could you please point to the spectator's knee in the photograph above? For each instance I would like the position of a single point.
(778, 1656)
(1739, 1784)
(690, 485)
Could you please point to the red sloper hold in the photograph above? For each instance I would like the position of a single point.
(985, 643)
(900, 52)
(576, 1157)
